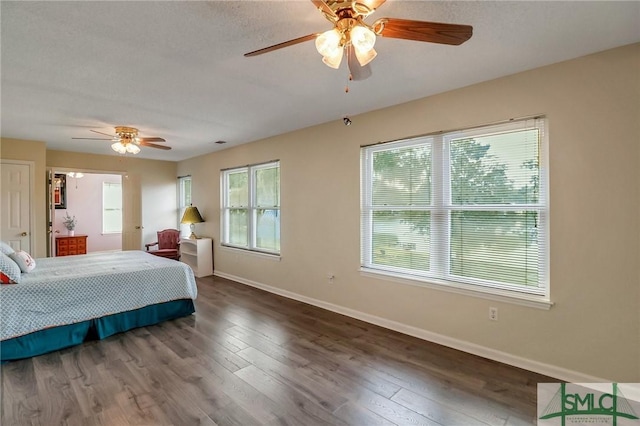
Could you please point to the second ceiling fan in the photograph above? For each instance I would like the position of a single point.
(355, 38)
(126, 140)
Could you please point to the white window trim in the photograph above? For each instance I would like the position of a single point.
(105, 232)
(182, 205)
(259, 254)
(439, 144)
(251, 211)
(507, 296)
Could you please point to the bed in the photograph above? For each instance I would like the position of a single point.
(67, 300)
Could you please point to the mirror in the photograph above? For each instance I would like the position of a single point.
(60, 191)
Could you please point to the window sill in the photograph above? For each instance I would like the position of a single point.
(260, 254)
(530, 300)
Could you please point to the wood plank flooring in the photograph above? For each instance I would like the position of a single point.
(253, 358)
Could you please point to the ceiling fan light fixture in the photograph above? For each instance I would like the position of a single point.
(365, 57)
(123, 148)
(132, 148)
(328, 43)
(119, 148)
(126, 140)
(333, 61)
(362, 38)
(355, 38)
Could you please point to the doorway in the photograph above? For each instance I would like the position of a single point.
(16, 227)
(87, 204)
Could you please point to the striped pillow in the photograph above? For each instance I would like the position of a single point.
(6, 248)
(9, 270)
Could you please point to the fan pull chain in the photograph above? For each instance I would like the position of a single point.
(348, 54)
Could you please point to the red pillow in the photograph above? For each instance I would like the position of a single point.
(9, 270)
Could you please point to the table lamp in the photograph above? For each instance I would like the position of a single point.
(192, 216)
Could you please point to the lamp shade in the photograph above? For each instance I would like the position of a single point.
(119, 148)
(132, 148)
(191, 215)
(333, 61)
(328, 43)
(362, 38)
(365, 57)
(123, 147)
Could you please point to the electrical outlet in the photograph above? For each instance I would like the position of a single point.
(493, 313)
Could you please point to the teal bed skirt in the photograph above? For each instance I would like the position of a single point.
(56, 338)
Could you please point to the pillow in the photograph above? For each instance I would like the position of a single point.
(6, 248)
(9, 270)
(23, 260)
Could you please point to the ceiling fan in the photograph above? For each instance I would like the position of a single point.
(354, 37)
(126, 140)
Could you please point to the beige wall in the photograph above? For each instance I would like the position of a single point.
(14, 149)
(593, 107)
(157, 182)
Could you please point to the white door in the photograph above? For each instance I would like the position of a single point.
(15, 217)
(131, 212)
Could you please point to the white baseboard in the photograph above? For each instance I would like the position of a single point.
(472, 348)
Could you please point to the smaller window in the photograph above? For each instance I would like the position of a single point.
(184, 195)
(111, 208)
(251, 207)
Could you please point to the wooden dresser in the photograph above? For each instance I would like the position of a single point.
(66, 245)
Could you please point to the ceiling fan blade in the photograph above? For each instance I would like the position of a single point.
(432, 32)
(106, 134)
(283, 44)
(324, 8)
(358, 72)
(151, 140)
(153, 145)
(94, 139)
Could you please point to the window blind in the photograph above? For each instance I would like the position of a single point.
(466, 207)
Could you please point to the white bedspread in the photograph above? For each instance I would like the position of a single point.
(71, 289)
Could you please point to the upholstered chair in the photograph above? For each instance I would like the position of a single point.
(168, 244)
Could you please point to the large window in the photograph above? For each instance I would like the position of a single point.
(466, 209)
(251, 207)
(111, 208)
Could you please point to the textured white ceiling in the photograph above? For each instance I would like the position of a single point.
(175, 69)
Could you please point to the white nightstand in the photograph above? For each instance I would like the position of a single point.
(198, 254)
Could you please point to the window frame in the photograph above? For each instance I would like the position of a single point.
(183, 202)
(104, 208)
(441, 208)
(251, 208)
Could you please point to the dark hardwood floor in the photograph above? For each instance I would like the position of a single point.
(250, 358)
